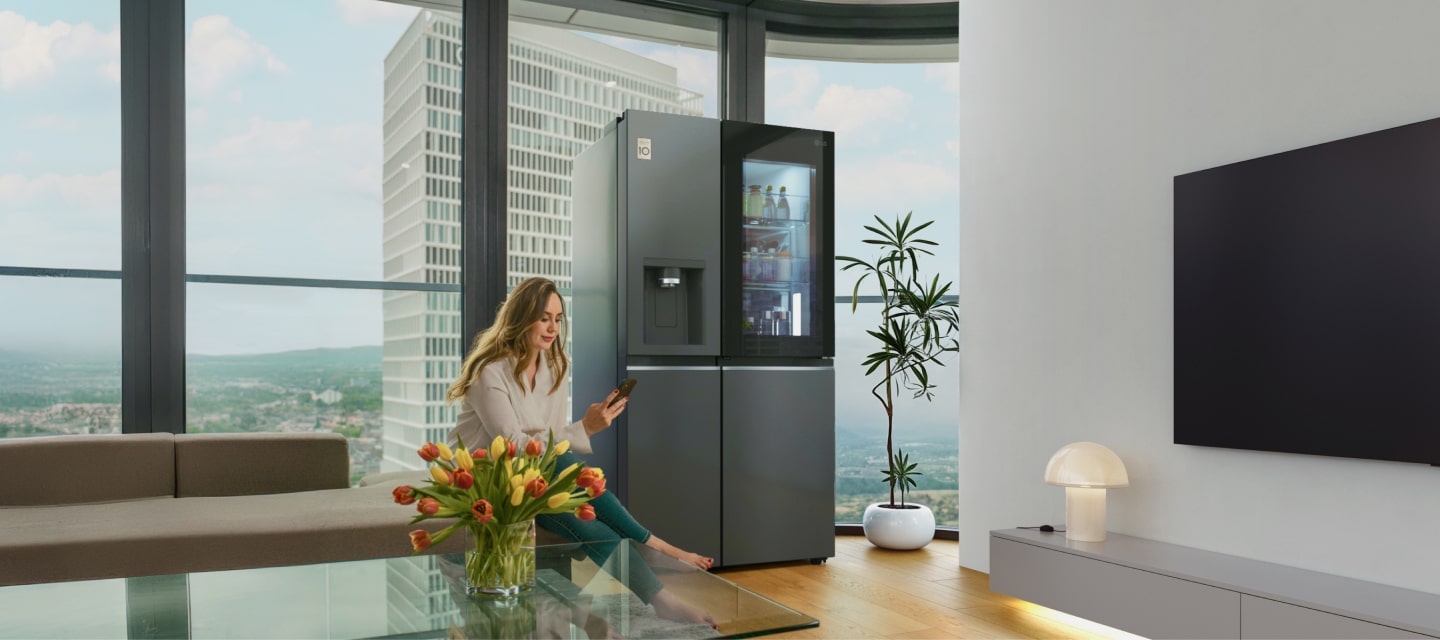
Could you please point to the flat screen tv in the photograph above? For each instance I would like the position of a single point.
(1307, 300)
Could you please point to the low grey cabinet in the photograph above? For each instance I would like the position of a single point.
(1161, 590)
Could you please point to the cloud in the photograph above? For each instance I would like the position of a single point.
(101, 190)
(858, 115)
(893, 184)
(51, 121)
(374, 12)
(31, 52)
(262, 137)
(218, 50)
(790, 86)
(947, 75)
(110, 71)
(953, 146)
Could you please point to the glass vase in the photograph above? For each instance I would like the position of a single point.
(500, 560)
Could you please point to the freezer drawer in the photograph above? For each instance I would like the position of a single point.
(672, 455)
(779, 464)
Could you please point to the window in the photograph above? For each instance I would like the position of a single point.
(59, 216)
(323, 221)
(897, 137)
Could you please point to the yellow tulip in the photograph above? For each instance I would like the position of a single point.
(517, 480)
(566, 472)
(463, 459)
(441, 477)
(561, 448)
(531, 474)
(445, 453)
(556, 500)
(517, 496)
(497, 447)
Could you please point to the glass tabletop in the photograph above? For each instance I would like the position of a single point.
(409, 597)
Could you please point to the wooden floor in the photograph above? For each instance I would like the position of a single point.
(866, 592)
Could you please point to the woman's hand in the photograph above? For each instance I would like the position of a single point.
(599, 415)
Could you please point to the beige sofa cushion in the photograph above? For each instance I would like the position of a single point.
(157, 537)
(51, 470)
(242, 464)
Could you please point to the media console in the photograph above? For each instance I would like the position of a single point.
(1161, 590)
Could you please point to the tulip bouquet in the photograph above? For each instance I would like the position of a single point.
(494, 494)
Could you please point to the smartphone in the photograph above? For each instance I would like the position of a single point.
(625, 386)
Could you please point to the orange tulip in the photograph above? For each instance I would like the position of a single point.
(420, 539)
(404, 494)
(537, 487)
(480, 454)
(596, 489)
(428, 506)
(430, 452)
(585, 512)
(482, 510)
(510, 449)
(464, 479)
(533, 448)
(588, 476)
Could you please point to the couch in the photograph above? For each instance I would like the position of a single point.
(106, 506)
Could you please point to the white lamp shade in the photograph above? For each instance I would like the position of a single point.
(1086, 464)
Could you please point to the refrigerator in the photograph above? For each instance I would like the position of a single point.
(703, 268)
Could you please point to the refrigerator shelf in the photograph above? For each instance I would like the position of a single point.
(777, 224)
(773, 285)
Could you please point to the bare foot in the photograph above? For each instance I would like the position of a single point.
(694, 559)
(669, 607)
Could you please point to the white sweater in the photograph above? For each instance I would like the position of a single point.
(497, 405)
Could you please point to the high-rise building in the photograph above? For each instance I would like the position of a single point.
(564, 89)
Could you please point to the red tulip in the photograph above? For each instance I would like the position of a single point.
(534, 448)
(537, 487)
(588, 476)
(596, 489)
(464, 479)
(428, 506)
(482, 511)
(510, 448)
(585, 512)
(479, 454)
(430, 452)
(420, 539)
(404, 494)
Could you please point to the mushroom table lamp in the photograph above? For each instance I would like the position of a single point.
(1086, 470)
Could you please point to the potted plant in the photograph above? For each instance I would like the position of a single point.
(916, 327)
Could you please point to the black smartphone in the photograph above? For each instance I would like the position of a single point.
(625, 386)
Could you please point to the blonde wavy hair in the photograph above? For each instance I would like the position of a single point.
(509, 337)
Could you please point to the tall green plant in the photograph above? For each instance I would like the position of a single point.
(916, 325)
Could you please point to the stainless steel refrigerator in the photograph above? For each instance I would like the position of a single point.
(703, 265)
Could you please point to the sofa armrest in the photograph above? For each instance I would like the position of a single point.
(238, 464)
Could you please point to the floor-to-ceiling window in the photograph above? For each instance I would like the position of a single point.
(59, 217)
(322, 223)
(571, 74)
(893, 108)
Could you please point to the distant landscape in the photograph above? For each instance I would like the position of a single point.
(339, 390)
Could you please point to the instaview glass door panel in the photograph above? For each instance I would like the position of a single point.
(778, 247)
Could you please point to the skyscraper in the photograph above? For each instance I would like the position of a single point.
(564, 89)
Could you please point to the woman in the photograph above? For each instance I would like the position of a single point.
(512, 384)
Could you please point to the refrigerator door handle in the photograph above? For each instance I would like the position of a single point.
(655, 367)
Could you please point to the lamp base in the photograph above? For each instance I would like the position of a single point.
(1085, 514)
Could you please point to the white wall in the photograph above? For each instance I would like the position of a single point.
(1075, 116)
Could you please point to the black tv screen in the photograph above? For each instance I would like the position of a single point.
(1307, 300)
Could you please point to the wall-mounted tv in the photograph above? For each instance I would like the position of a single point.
(1307, 300)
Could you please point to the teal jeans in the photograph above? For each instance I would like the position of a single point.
(601, 536)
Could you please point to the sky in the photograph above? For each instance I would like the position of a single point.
(284, 160)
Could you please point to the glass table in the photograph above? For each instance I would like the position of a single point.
(409, 597)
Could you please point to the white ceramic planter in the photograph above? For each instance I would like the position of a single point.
(899, 528)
